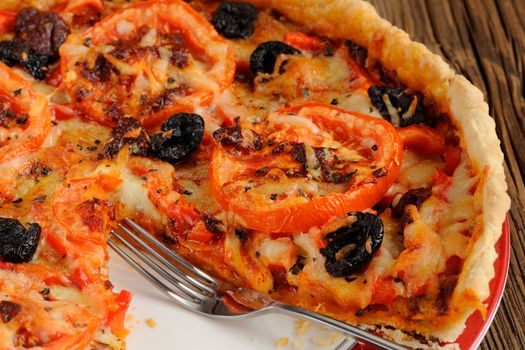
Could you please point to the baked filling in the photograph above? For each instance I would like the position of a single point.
(272, 157)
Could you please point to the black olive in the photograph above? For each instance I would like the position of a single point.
(358, 53)
(415, 197)
(39, 35)
(9, 310)
(36, 65)
(365, 234)
(234, 20)
(42, 32)
(181, 136)
(264, 56)
(399, 101)
(11, 53)
(299, 265)
(18, 245)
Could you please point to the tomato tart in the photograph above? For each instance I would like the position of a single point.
(308, 150)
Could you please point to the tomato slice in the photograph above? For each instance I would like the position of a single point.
(149, 60)
(384, 291)
(77, 6)
(452, 158)
(422, 138)
(43, 321)
(185, 222)
(304, 41)
(26, 118)
(81, 207)
(80, 215)
(54, 326)
(305, 165)
(116, 318)
(7, 21)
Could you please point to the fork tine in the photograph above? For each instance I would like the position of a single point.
(187, 302)
(169, 265)
(179, 284)
(169, 252)
(347, 344)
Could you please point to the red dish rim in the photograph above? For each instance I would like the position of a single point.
(477, 327)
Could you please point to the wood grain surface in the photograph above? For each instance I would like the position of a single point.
(485, 41)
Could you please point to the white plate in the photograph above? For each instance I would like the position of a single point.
(177, 328)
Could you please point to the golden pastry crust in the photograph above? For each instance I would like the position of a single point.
(428, 73)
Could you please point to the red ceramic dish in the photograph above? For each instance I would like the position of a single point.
(476, 326)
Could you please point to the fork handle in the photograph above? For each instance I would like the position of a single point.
(348, 330)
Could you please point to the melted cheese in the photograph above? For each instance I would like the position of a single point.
(295, 121)
(280, 252)
(423, 258)
(105, 340)
(124, 27)
(132, 193)
(416, 171)
(315, 279)
(245, 264)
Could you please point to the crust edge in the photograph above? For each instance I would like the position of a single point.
(471, 112)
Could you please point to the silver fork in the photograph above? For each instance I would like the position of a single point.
(197, 291)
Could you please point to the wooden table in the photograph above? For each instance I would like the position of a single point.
(485, 41)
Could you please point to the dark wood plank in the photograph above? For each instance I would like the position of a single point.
(485, 41)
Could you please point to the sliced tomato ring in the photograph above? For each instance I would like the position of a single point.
(306, 165)
(26, 116)
(82, 207)
(148, 61)
(80, 215)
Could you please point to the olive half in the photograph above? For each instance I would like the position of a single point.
(263, 58)
(18, 244)
(181, 136)
(364, 237)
